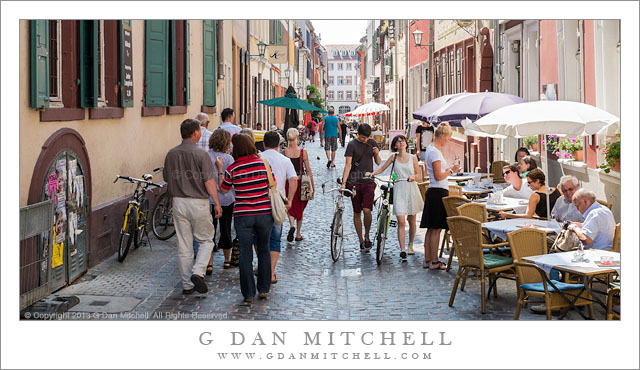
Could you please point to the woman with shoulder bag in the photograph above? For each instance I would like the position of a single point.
(306, 187)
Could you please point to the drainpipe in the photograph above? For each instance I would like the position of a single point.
(220, 44)
(581, 61)
(406, 78)
(431, 47)
(247, 113)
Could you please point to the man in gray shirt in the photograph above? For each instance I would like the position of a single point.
(190, 178)
(564, 209)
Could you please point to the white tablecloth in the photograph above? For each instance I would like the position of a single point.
(501, 228)
(549, 261)
(467, 176)
(518, 205)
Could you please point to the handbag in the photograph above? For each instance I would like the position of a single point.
(278, 208)
(306, 189)
(566, 241)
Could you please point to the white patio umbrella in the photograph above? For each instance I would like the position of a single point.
(547, 117)
(470, 132)
(369, 109)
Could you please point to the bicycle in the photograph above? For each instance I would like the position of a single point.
(162, 216)
(384, 215)
(337, 235)
(135, 216)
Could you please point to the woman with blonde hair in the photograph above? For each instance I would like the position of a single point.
(300, 160)
(434, 215)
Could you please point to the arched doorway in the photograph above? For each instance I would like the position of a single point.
(63, 173)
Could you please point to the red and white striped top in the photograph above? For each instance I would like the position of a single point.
(248, 176)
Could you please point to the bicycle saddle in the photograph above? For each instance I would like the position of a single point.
(384, 187)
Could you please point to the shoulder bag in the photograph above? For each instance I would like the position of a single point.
(306, 190)
(566, 241)
(278, 208)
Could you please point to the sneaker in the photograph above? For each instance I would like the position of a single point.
(200, 285)
(367, 245)
(411, 250)
(403, 255)
(187, 291)
(263, 295)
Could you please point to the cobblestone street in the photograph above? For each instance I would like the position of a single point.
(310, 285)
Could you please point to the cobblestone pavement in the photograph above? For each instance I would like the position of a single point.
(310, 285)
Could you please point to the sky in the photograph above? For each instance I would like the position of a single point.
(340, 32)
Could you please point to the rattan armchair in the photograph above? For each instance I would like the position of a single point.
(533, 282)
(455, 190)
(477, 212)
(496, 171)
(613, 303)
(451, 204)
(467, 241)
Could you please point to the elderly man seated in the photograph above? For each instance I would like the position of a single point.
(564, 209)
(598, 228)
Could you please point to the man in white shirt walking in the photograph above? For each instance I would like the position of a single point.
(283, 170)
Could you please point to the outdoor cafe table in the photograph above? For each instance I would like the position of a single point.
(467, 176)
(515, 204)
(474, 191)
(502, 227)
(588, 269)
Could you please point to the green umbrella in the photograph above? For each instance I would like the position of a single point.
(290, 101)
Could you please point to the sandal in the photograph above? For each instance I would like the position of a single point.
(438, 266)
(226, 265)
(209, 269)
(299, 239)
(275, 279)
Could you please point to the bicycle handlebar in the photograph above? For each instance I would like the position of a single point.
(133, 179)
(351, 193)
(387, 181)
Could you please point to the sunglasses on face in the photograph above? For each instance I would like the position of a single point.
(506, 173)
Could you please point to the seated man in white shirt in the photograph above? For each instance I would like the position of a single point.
(517, 188)
(564, 209)
(598, 228)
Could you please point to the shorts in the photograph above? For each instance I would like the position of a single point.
(312, 133)
(364, 196)
(331, 143)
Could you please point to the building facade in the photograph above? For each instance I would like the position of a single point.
(342, 74)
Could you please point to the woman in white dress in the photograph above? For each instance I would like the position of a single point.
(407, 201)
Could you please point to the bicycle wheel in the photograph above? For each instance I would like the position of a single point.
(142, 222)
(336, 236)
(381, 236)
(126, 235)
(162, 218)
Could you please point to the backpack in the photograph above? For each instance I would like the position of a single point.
(309, 125)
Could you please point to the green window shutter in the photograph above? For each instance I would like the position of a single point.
(88, 64)
(126, 65)
(172, 64)
(209, 63)
(156, 62)
(39, 34)
(187, 87)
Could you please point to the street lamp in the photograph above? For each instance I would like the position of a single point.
(417, 38)
(387, 70)
(261, 48)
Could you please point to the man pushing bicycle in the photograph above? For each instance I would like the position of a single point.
(360, 154)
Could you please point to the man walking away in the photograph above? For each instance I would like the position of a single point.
(332, 131)
(360, 154)
(203, 143)
(190, 178)
(228, 116)
(343, 133)
(283, 170)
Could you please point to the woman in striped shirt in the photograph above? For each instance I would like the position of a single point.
(252, 213)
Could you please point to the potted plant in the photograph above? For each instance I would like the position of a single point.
(611, 153)
(531, 142)
(552, 145)
(573, 147)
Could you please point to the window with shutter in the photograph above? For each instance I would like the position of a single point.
(156, 63)
(209, 63)
(89, 63)
(39, 34)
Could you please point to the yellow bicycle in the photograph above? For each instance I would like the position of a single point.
(135, 216)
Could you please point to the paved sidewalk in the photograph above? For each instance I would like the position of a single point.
(310, 285)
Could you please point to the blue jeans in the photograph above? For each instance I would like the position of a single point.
(276, 238)
(245, 228)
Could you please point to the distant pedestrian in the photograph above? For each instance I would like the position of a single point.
(259, 126)
(203, 118)
(283, 171)
(190, 178)
(332, 131)
(407, 201)
(228, 116)
(360, 155)
(321, 132)
(424, 137)
(343, 133)
(247, 175)
(220, 144)
(300, 161)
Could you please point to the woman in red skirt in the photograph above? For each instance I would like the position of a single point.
(300, 161)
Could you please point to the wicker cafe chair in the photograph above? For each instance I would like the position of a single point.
(467, 241)
(423, 186)
(613, 303)
(496, 171)
(605, 203)
(533, 282)
(477, 212)
(451, 204)
(455, 190)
